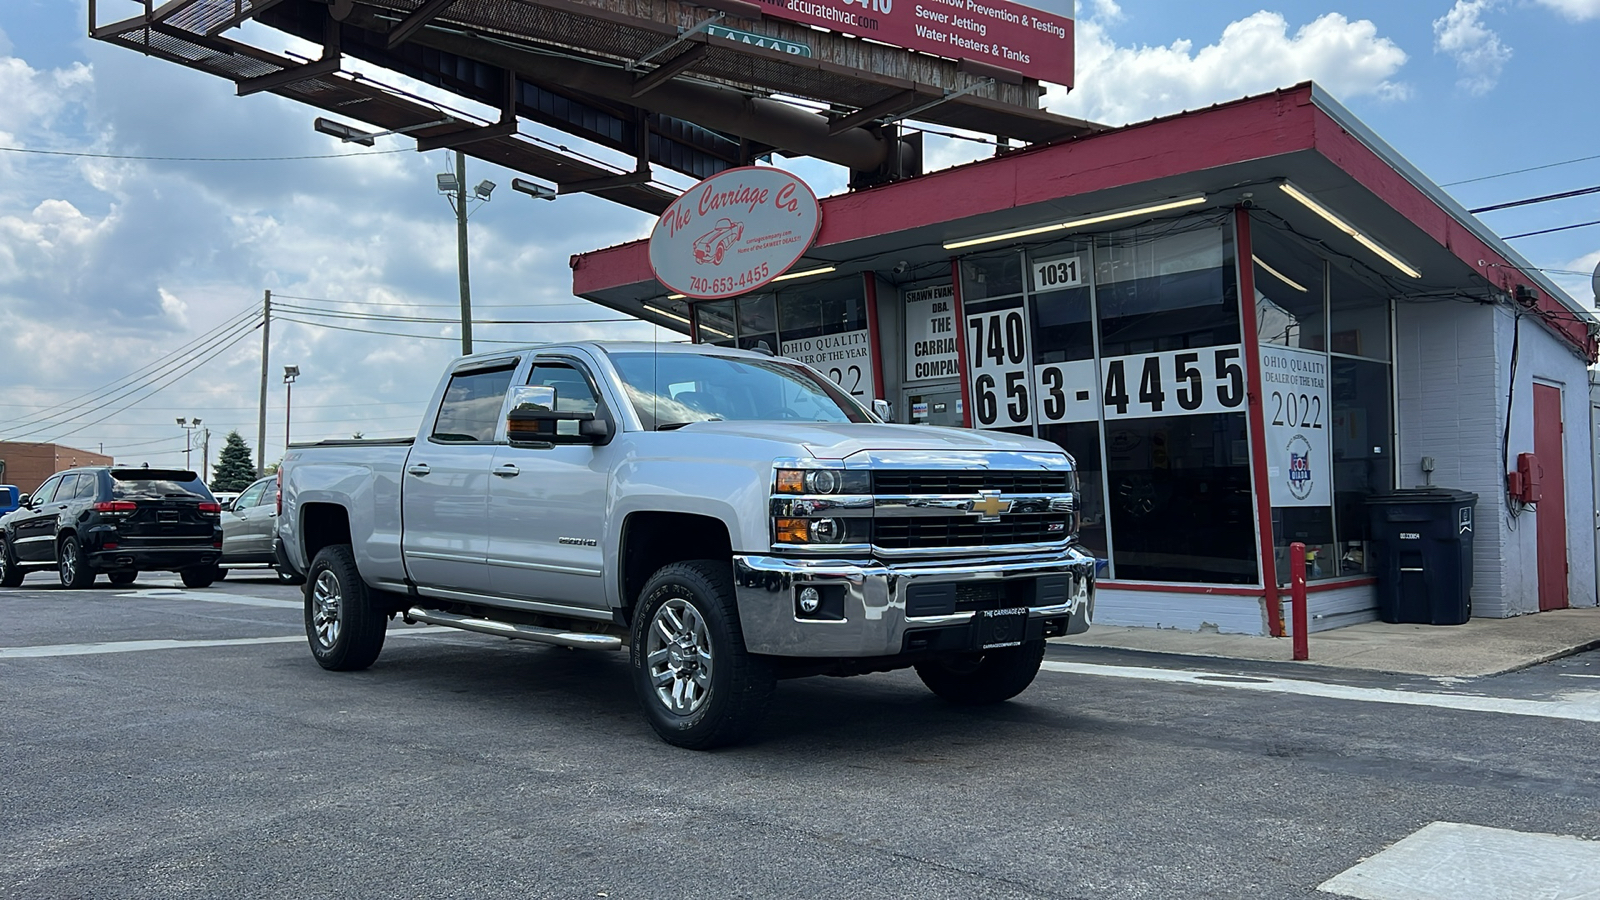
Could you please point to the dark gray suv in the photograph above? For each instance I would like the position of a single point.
(114, 520)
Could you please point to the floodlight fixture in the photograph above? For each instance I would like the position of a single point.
(290, 373)
(484, 189)
(447, 182)
(536, 191)
(344, 132)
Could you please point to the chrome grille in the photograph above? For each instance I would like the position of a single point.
(967, 531)
(969, 481)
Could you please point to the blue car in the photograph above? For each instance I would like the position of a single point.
(10, 498)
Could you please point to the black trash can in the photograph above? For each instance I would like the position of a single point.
(1422, 547)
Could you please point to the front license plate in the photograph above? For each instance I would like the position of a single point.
(1002, 627)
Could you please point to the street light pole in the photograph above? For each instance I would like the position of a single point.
(461, 252)
(290, 373)
(188, 426)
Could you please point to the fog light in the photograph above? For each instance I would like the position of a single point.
(810, 599)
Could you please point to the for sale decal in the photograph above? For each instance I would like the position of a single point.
(734, 232)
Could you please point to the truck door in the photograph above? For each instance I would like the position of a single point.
(445, 489)
(548, 504)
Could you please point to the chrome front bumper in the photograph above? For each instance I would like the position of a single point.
(873, 619)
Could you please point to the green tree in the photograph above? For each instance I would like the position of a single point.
(234, 471)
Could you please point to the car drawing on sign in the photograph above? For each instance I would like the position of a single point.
(711, 246)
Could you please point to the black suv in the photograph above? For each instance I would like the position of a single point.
(114, 520)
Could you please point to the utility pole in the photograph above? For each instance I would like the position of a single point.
(261, 410)
(461, 253)
(205, 455)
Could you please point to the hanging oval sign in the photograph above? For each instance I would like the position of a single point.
(734, 232)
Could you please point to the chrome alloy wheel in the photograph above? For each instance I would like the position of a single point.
(679, 657)
(69, 561)
(326, 598)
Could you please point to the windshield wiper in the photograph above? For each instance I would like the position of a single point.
(674, 426)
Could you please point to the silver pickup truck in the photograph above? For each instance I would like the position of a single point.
(731, 517)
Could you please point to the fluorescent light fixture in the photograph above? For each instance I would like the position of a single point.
(705, 327)
(674, 296)
(823, 270)
(662, 312)
(536, 191)
(1279, 275)
(1305, 200)
(1196, 200)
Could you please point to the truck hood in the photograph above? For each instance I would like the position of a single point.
(827, 440)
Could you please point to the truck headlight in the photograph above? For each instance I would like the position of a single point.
(823, 481)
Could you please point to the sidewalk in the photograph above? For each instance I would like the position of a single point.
(1480, 647)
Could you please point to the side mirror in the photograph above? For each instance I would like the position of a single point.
(534, 421)
(883, 410)
(26, 500)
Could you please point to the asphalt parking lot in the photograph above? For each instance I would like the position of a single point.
(162, 742)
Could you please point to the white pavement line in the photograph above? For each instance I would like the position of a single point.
(1579, 707)
(137, 646)
(235, 599)
(1451, 861)
(1576, 675)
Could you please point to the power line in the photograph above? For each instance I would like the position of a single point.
(424, 320)
(1532, 200)
(278, 296)
(80, 153)
(1513, 237)
(1565, 162)
(427, 337)
(97, 396)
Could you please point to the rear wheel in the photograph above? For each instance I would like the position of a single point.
(979, 679)
(199, 576)
(698, 685)
(221, 573)
(123, 579)
(344, 624)
(10, 574)
(72, 565)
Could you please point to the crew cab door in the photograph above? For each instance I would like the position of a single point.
(547, 502)
(444, 492)
(34, 530)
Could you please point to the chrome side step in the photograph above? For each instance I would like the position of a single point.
(515, 632)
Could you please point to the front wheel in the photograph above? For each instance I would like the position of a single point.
(698, 685)
(980, 679)
(343, 624)
(72, 565)
(11, 574)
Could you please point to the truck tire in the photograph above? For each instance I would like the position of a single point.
(11, 574)
(343, 624)
(698, 685)
(72, 565)
(980, 679)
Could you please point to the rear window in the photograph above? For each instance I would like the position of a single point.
(157, 484)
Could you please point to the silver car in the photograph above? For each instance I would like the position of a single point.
(249, 526)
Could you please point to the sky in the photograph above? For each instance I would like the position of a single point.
(144, 208)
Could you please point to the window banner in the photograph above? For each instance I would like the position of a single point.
(931, 334)
(1173, 383)
(846, 358)
(1294, 393)
(1000, 364)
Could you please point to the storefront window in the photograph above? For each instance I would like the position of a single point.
(1164, 289)
(1358, 313)
(990, 276)
(1082, 440)
(715, 321)
(1289, 286)
(758, 322)
(1179, 499)
(1362, 425)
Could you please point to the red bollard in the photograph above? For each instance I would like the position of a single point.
(1297, 599)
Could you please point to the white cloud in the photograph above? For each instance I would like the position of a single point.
(1576, 10)
(1476, 48)
(1118, 84)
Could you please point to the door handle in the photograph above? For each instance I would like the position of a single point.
(418, 469)
(508, 470)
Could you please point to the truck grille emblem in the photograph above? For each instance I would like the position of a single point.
(990, 507)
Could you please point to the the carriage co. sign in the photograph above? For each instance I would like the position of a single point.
(734, 232)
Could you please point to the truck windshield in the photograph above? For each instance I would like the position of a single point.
(670, 390)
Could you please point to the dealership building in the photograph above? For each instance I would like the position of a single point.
(1242, 321)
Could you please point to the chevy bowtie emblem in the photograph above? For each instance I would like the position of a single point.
(990, 506)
